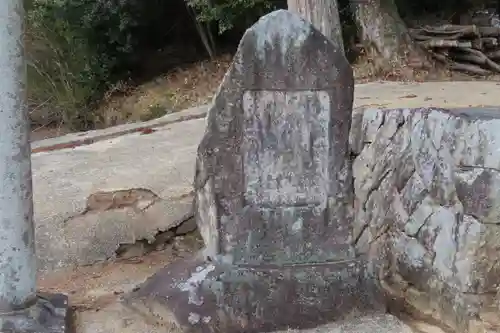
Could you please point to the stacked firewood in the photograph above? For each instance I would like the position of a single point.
(467, 48)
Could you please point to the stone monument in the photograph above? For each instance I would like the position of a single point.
(273, 194)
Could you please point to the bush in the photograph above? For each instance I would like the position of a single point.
(77, 49)
(63, 68)
(231, 14)
(74, 48)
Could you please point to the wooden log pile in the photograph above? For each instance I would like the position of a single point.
(467, 48)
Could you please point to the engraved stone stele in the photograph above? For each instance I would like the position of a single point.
(273, 194)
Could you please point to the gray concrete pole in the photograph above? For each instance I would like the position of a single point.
(17, 257)
(22, 309)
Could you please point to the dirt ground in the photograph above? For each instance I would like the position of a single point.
(95, 291)
(93, 287)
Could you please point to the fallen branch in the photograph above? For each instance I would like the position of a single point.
(489, 31)
(440, 57)
(421, 36)
(469, 48)
(476, 57)
(449, 29)
(494, 55)
(469, 68)
(444, 43)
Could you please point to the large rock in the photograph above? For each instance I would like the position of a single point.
(273, 192)
(427, 187)
(273, 182)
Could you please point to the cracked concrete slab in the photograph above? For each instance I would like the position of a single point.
(94, 191)
(90, 199)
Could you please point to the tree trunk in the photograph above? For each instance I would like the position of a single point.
(385, 37)
(17, 244)
(324, 16)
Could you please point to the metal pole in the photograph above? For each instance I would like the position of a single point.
(17, 250)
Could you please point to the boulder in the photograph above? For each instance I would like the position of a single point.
(427, 205)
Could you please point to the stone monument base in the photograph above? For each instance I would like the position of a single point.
(201, 296)
(48, 313)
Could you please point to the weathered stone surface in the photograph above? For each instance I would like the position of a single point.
(427, 208)
(274, 158)
(200, 296)
(273, 194)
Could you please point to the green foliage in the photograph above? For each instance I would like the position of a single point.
(228, 14)
(76, 49)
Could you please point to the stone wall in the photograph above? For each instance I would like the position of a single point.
(427, 189)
